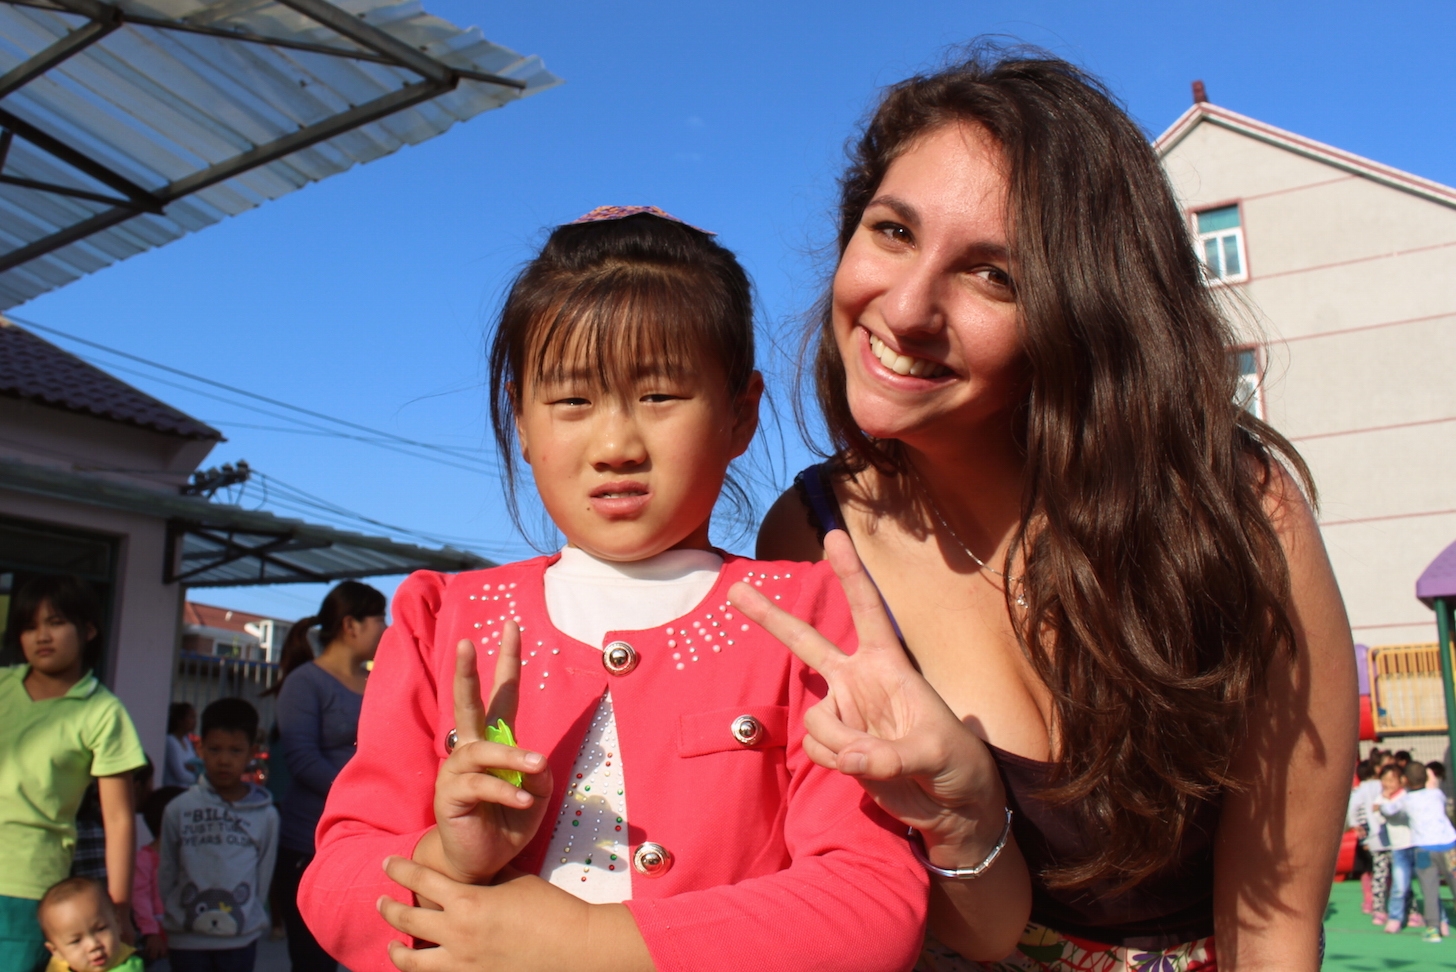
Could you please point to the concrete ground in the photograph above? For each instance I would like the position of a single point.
(272, 955)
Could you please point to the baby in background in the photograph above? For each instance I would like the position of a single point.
(81, 929)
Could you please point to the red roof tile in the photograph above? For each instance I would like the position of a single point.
(34, 369)
(210, 616)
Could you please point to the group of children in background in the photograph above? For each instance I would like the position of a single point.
(1399, 810)
(194, 891)
(200, 882)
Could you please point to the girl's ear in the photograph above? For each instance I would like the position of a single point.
(523, 441)
(521, 438)
(745, 417)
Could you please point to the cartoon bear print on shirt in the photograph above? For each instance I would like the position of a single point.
(215, 911)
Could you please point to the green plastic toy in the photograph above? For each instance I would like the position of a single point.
(501, 733)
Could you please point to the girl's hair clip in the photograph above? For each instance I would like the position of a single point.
(604, 213)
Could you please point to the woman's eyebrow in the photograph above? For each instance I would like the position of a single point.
(901, 208)
(986, 250)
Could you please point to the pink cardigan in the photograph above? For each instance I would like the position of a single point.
(777, 863)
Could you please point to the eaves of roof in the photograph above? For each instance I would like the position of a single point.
(1307, 147)
(34, 369)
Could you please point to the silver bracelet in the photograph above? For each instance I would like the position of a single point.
(917, 846)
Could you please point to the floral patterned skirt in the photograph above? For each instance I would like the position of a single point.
(1043, 950)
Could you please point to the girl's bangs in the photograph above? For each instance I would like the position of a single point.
(612, 331)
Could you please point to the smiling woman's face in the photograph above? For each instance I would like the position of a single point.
(924, 309)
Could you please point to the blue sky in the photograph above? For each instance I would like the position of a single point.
(368, 296)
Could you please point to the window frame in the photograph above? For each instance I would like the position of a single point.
(1237, 231)
(1260, 410)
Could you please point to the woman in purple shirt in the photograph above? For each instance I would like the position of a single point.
(318, 722)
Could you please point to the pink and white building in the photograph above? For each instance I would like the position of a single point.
(1342, 273)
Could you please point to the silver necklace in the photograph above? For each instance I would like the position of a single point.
(1020, 591)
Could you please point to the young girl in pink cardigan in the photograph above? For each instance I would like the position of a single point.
(666, 815)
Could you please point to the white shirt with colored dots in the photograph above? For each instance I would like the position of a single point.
(586, 598)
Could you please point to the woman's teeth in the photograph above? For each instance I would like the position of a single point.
(903, 364)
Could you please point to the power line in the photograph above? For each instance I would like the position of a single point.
(291, 497)
(303, 427)
(446, 450)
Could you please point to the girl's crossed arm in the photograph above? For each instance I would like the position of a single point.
(851, 901)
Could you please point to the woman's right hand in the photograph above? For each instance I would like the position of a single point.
(884, 724)
(482, 821)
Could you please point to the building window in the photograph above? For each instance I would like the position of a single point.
(1250, 393)
(1221, 243)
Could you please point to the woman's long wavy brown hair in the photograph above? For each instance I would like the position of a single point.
(1154, 578)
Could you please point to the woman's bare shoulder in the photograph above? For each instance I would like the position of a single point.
(787, 532)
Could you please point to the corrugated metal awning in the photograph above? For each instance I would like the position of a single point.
(216, 545)
(125, 125)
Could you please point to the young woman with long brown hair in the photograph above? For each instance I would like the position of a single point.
(1129, 664)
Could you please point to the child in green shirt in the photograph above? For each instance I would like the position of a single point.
(61, 728)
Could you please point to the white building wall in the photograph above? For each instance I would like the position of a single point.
(1352, 293)
(45, 436)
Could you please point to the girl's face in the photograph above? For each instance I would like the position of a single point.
(52, 644)
(1390, 783)
(628, 473)
(924, 310)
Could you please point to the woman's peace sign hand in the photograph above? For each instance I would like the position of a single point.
(483, 821)
(883, 723)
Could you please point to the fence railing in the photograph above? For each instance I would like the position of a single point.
(201, 679)
(1406, 694)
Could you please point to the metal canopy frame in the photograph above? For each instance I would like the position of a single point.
(217, 545)
(101, 18)
(194, 550)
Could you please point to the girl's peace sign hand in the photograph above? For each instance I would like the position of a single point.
(884, 724)
(483, 821)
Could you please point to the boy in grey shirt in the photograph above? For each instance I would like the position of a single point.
(219, 842)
